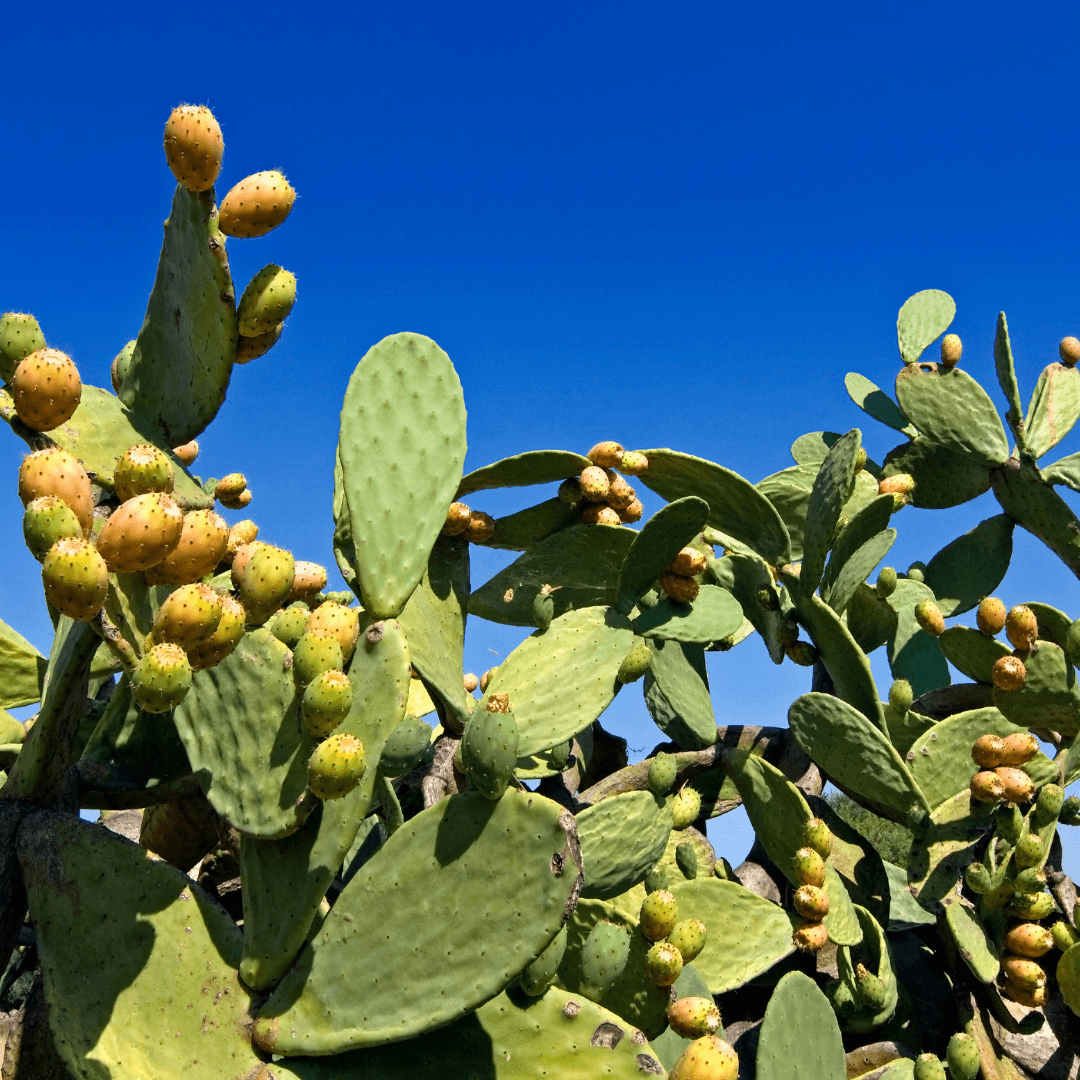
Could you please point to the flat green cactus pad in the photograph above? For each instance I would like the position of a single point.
(942, 477)
(532, 467)
(923, 318)
(1054, 408)
(622, 839)
(581, 562)
(800, 1039)
(913, 654)
(562, 679)
(862, 563)
(833, 486)
(904, 910)
(973, 943)
(712, 616)
(402, 447)
(789, 492)
(1065, 471)
(677, 695)
(736, 507)
(140, 971)
(1005, 369)
(876, 403)
(972, 566)
(951, 409)
(511, 1037)
(179, 370)
(518, 532)
(22, 668)
(936, 862)
(868, 523)
(382, 970)
(1068, 977)
(1050, 696)
(873, 952)
(855, 753)
(971, 652)
(744, 576)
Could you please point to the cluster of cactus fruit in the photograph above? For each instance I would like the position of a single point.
(346, 858)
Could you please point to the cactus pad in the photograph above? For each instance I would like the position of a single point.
(622, 838)
(923, 318)
(972, 566)
(677, 693)
(800, 1039)
(713, 615)
(532, 467)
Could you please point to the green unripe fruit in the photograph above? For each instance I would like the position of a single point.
(685, 808)
(809, 867)
(76, 579)
(140, 469)
(656, 880)
(1064, 936)
(886, 582)
(977, 878)
(1029, 939)
(901, 696)
(635, 663)
(161, 679)
(928, 616)
(870, 987)
(811, 902)
(802, 653)
(266, 301)
(663, 770)
(689, 937)
(1032, 906)
(405, 747)
(929, 1067)
(1029, 851)
(603, 959)
(663, 964)
(659, 913)
(707, 1058)
(336, 767)
(46, 520)
(489, 750)
(1070, 811)
(1010, 823)
(816, 835)
(693, 1017)
(20, 336)
(288, 624)
(543, 610)
(787, 633)
(540, 974)
(917, 570)
(686, 859)
(266, 582)
(188, 616)
(314, 654)
(840, 997)
(1049, 803)
(1032, 880)
(963, 1057)
(326, 702)
(251, 348)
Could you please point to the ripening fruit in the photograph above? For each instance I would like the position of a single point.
(188, 616)
(314, 654)
(570, 491)
(256, 205)
(1048, 806)
(1032, 907)
(266, 301)
(928, 616)
(241, 534)
(1069, 351)
(120, 366)
(901, 696)
(230, 487)
(606, 454)
(689, 937)
(663, 964)
(929, 1067)
(1029, 852)
(161, 678)
(336, 766)
(1029, 939)
(1009, 673)
(809, 867)
(265, 582)
(658, 915)
(287, 624)
(470, 681)
(635, 663)
(326, 702)
(1031, 880)
(142, 468)
(951, 350)
(230, 629)
(633, 463)
(1021, 627)
(632, 513)
(811, 902)
(20, 335)
(693, 1017)
(309, 579)
(707, 1058)
(809, 936)
(1023, 972)
(818, 836)
(987, 787)
(76, 579)
(187, 452)
(803, 653)
(47, 520)
(620, 493)
(481, 527)
(339, 622)
(1019, 787)
(990, 616)
(1065, 937)
(47, 389)
(678, 587)
(194, 146)
(141, 532)
(689, 562)
(685, 807)
(1019, 748)
(486, 678)
(54, 471)
(1022, 995)
(457, 519)
(886, 582)
(594, 483)
(597, 514)
(898, 484)
(987, 751)
(251, 348)
(203, 538)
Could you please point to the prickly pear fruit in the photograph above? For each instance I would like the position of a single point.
(902, 484)
(663, 964)
(886, 582)
(481, 528)
(787, 633)
(266, 301)
(1023, 972)
(287, 624)
(140, 533)
(1049, 803)
(201, 547)
(990, 616)
(1029, 852)
(570, 491)
(603, 959)
(1018, 785)
(962, 1057)
(540, 974)
(161, 678)
(951, 350)
(987, 751)
(314, 654)
(683, 589)
(486, 678)
(194, 146)
(811, 902)
(187, 452)
(340, 622)
(1021, 627)
(620, 494)
(1009, 673)
(256, 205)
(657, 880)
(188, 616)
(240, 535)
(685, 807)
(688, 562)
(693, 1017)
(54, 471)
(47, 520)
(1019, 748)
(606, 454)
(901, 696)
(595, 514)
(662, 772)
(251, 348)
(489, 751)
(1010, 823)
(265, 582)
(1065, 937)
(1029, 939)
(809, 867)
(635, 663)
(470, 682)
(1069, 351)
(76, 578)
(594, 483)
(803, 653)
(818, 836)
(230, 629)
(142, 468)
(1070, 811)
(326, 702)
(689, 938)
(659, 913)
(20, 335)
(928, 616)
(869, 986)
(47, 389)
(543, 608)
(336, 766)
(405, 747)
(1023, 995)
(632, 513)
(686, 859)
(633, 463)
(810, 935)
(987, 787)
(929, 1067)
(457, 519)
(707, 1058)
(230, 487)
(977, 878)
(1032, 906)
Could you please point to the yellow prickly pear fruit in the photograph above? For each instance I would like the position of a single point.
(339, 622)
(471, 682)
(658, 915)
(46, 388)
(256, 205)
(987, 751)
(1019, 787)
(632, 513)
(1023, 972)
(685, 807)
(900, 486)
(810, 935)
(336, 767)
(188, 616)
(1018, 748)
(76, 579)
(990, 616)
(689, 937)
(457, 519)
(187, 452)
(47, 520)
(594, 483)
(1021, 627)
(142, 468)
(230, 629)
(230, 488)
(309, 579)
(314, 654)
(620, 493)
(818, 835)
(663, 964)
(809, 867)
(266, 302)
(481, 528)
(1009, 673)
(688, 562)
(928, 616)
(251, 348)
(1069, 351)
(161, 679)
(201, 547)
(693, 1017)
(241, 534)
(597, 514)
(194, 146)
(951, 350)
(265, 582)
(326, 702)
(54, 471)
(811, 902)
(606, 454)
(707, 1058)
(241, 557)
(140, 533)
(486, 678)
(1023, 995)
(20, 335)
(678, 587)
(1029, 939)
(987, 787)
(633, 463)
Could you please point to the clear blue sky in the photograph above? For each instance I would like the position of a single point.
(670, 225)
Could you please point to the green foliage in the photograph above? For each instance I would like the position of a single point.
(891, 841)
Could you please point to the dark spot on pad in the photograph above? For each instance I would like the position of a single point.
(571, 1009)
(649, 1065)
(558, 861)
(374, 633)
(607, 1035)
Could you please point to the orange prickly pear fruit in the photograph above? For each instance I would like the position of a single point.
(76, 579)
(256, 205)
(620, 494)
(688, 562)
(1021, 627)
(309, 579)
(161, 679)
(678, 587)
(597, 514)
(340, 622)
(481, 528)
(663, 964)
(457, 519)
(987, 787)
(54, 471)
(241, 556)
(188, 616)
(987, 751)
(809, 867)
(1029, 939)
(243, 532)
(336, 766)
(47, 389)
(1009, 673)
(1019, 787)
(811, 935)
(632, 513)
(141, 532)
(594, 483)
(230, 629)
(707, 1058)
(818, 835)
(201, 547)
(1069, 351)
(1018, 748)
(606, 454)
(658, 915)
(266, 581)
(194, 146)
(187, 452)
(990, 616)
(693, 1017)
(928, 616)
(230, 487)
(142, 468)
(811, 902)
(951, 350)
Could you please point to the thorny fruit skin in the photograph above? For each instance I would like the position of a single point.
(990, 616)
(1022, 995)
(963, 1057)
(309, 579)
(689, 562)
(689, 937)
(951, 350)
(1019, 787)
(635, 664)
(76, 579)
(240, 535)
(987, 787)
(314, 654)
(203, 539)
(339, 622)
(633, 463)
(810, 936)
(928, 616)
(187, 452)
(901, 696)
(987, 751)
(1009, 673)
(336, 766)
(1023, 972)
(1029, 852)
(680, 588)
(251, 348)
(188, 616)
(1069, 351)
(256, 205)
(594, 483)
(161, 679)
(230, 629)
(803, 653)
(870, 987)
(818, 836)
(1022, 628)
(595, 514)
(809, 867)
(326, 702)
(1048, 805)
(194, 146)
(693, 1017)
(481, 528)
(658, 915)
(977, 878)
(1030, 940)
(811, 902)
(1032, 907)
(140, 533)
(685, 807)
(142, 468)
(47, 520)
(47, 389)
(886, 582)
(266, 301)
(929, 1067)
(620, 493)
(53, 471)
(663, 964)
(663, 770)
(457, 519)
(707, 1058)
(606, 454)
(570, 491)
(899, 484)
(632, 513)
(1018, 748)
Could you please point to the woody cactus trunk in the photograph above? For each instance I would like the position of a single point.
(326, 851)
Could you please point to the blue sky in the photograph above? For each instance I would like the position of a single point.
(675, 225)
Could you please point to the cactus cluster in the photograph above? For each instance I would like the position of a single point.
(368, 863)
